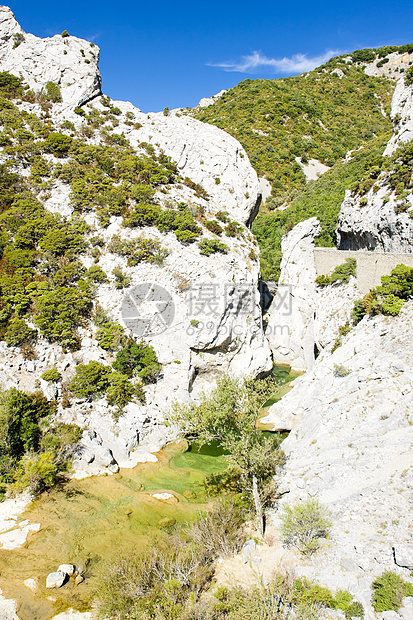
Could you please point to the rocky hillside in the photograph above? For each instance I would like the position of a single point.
(314, 136)
(377, 213)
(315, 117)
(351, 447)
(98, 198)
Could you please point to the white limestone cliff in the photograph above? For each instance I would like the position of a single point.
(378, 225)
(351, 448)
(204, 153)
(401, 115)
(68, 61)
(290, 319)
(303, 318)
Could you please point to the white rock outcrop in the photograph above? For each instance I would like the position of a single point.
(351, 448)
(290, 319)
(69, 61)
(401, 115)
(205, 102)
(204, 153)
(304, 319)
(377, 226)
(380, 221)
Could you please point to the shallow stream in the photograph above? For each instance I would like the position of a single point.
(86, 522)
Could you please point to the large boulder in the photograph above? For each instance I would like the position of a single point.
(55, 580)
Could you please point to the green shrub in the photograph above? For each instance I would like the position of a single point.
(341, 273)
(138, 358)
(60, 311)
(61, 439)
(408, 77)
(200, 192)
(302, 524)
(91, 380)
(232, 229)
(122, 280)
(382, 62)
(52, 375)
(365, 55)
(186, 236)
(355, 610)
(305, 592)
(222, 216)
(214, 227)
(65, 34)
(121, 391)
(10, 85)
(36, 473)
(18, 38)
(323, 280)
(96, 274)
(212, 246)
(391, 305)
(139, 250)
(58, 144)
(20, 431)
(110, 335)
(388, 592)
(388, 298)
(52, 92)
(18, 333)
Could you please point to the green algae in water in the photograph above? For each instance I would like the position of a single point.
(99, 518)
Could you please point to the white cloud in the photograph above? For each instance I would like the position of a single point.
(298, 63)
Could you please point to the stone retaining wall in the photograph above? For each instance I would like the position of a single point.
(370, 265)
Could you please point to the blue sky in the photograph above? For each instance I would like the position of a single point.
(158, 54)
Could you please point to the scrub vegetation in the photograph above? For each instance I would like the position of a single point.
(323, 114)
(173, 579)
(389, 297)
(317, 115)
(34, 450)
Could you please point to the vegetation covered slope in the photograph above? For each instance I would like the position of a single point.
(319, 115)
(322, 199)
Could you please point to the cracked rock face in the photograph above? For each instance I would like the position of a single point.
(68, 61)
(290, 318)
(217, 324)
(351, 447)
(402, 116)
(376, 226)
(204, 153)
